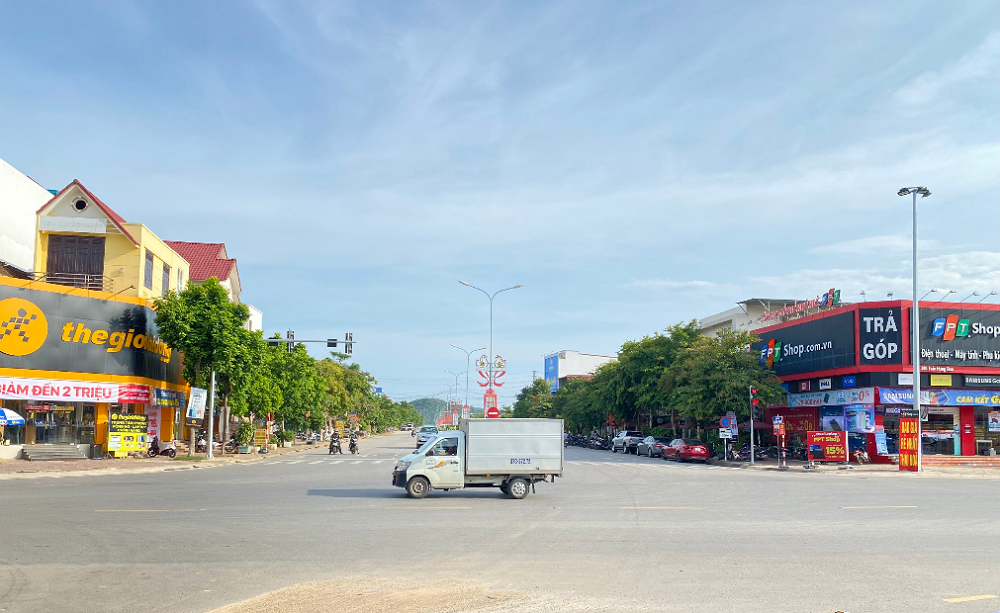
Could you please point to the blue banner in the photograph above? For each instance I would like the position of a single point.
(940, 398)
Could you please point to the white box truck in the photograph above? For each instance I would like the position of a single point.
(511, 454)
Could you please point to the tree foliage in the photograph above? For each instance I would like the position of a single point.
(534, 400)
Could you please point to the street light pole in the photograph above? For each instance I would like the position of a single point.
(468, 358)
(491, 319)
(915, 359)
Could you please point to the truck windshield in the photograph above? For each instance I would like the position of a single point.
(430, 443)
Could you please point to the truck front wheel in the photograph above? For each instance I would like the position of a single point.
(517, 488)
(418, 487)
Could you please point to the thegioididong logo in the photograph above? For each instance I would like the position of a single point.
(23, 327)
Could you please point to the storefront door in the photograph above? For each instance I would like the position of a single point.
(938, 432)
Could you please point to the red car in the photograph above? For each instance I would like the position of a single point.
(682, 449)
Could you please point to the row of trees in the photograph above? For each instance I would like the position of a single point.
(678, 375)
(255, 379)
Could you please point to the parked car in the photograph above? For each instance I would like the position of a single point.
(626, 441)
(652, 446)
(425, 434)
(683, 449)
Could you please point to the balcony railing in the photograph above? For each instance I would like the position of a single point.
(99, 283)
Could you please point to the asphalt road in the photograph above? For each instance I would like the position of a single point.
(615, 534)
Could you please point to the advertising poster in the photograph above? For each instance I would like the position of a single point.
(152, 424)
(126, 433)
(881, 448)
(908, 439)
(195, 415)
(994, 421)
(827, 446)
(859, 418)
(260, 437)
(832, 419)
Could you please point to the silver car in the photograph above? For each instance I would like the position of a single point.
(425, 434)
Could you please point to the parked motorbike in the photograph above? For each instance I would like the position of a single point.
(156, 448)
(200, 445)
(861, 456)
(335, 445)
(354, 444)
(232, 444)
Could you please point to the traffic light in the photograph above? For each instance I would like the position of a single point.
(290, 336)
(754, 401)
(348, 343)
(331, 343)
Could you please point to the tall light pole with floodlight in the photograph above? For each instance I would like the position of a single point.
(468, 358)
(491, 297)
(923, 192)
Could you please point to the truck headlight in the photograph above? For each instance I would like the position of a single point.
(401, 465)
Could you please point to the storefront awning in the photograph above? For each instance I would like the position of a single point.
(10, 418)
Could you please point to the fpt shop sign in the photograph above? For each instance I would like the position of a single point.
(819, 344)
(881, 337)
(960, 337)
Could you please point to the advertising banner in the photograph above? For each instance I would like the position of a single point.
(818, 344)
(960, 337)
(881, 448)
(260, 437)
(195, 415)
(880, 334)
(79, 334)
(859, 418)
(940, 398)
(994, 421)
(167, 398)
(138, 394)
(908, 440)
(54, 390)
(827, 446)
(552, 371)
(152, 423)
(127, 433)
(832, 419)
(796, 420)
(856, 395)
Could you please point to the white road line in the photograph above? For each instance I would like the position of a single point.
(317, 462)
(337, 462)
(356, 462)
(378, 461)
(295, 462)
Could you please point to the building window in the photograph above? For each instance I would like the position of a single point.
(148, 277)
(180, 280)
(165, 287)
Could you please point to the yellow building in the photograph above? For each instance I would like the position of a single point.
(81, 242)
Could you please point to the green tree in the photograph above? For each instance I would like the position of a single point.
(575, 403)
(534, 400)
(205, 326)
(714, 375)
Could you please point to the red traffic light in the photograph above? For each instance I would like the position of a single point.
(754, 401)
(753, 391)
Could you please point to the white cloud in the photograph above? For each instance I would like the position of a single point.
(888, 243)
(981, 63)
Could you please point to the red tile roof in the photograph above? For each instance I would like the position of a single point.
(206, 259)
(114, 217)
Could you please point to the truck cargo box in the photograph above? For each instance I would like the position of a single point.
(513, 446)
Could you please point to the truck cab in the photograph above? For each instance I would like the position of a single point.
(440, 460)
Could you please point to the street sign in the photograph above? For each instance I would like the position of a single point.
(725, 433)
(778, 419)
(493, 413)
(725, 423)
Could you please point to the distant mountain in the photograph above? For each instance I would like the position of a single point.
(429, 408)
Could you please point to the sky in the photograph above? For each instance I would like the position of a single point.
(633, 164)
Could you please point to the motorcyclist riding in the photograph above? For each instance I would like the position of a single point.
(335, 444)
(354, 442)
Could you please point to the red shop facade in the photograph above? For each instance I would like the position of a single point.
(849, 369)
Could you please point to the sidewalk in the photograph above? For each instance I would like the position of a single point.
(23, 469)
(885, 470)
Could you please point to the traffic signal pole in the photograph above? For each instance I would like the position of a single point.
(753, 405)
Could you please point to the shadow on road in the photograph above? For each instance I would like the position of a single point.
(357, 493)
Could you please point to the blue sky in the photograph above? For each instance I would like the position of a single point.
(633, 164)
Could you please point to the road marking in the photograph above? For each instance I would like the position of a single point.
(295, 462)
(421, 508)
(356, 462)
(667, 508)
(317, 462)
(337, 462)
(971, 598)
(378, 461)
(888, 506)
(143, 510)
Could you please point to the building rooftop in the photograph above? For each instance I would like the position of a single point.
(207, 259)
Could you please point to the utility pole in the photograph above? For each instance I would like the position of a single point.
(210, 416)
